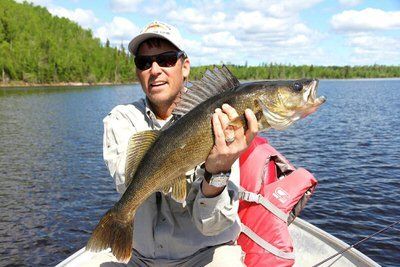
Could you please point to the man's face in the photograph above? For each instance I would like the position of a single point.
(162, 84)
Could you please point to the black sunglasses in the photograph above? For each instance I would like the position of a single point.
(166, 59)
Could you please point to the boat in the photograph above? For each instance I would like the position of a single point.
(311, 245)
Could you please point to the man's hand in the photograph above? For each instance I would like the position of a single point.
(226, 152)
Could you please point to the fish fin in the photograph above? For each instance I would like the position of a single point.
(138, 145)
(212, 83)
(238, 122)
(262, 120)
(241, 120)
(114, 233)
(178, 189)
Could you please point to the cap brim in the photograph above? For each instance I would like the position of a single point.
(134, 44)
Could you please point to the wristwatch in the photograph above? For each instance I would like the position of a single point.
(218, 179)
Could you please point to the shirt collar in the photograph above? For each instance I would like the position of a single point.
(150, 114)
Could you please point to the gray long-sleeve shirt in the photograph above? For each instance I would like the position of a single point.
(165, 228)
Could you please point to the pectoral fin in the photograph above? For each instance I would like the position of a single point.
(177, 189)
(241, 121)
(138, 145)
(238, 122)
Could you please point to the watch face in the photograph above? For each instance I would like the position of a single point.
(219, 180)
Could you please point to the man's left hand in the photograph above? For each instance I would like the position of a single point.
(225, 152)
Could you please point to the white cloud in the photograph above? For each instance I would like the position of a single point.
(197, 21)
(368, 49)
(163, 7)
(255, 21)
(123, 6)
(277, 8)
(117, 31)
(298, 40)
(220, 39)
(83, 17)
(368, 19)
(350, 2)
(189, 15)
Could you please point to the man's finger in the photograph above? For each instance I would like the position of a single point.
(232, 114)
(218, 131)
(229, 131)
(252, 125)
(230, 111)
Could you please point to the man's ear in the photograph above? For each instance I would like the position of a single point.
(186, 68)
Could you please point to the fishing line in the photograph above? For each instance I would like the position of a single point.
(359, 242)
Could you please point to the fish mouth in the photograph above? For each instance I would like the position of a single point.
(313, 102)
(310, 95)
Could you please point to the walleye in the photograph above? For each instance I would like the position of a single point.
(158, 160)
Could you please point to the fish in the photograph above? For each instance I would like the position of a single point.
(157, 160)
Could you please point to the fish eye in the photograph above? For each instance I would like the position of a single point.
(297, 86)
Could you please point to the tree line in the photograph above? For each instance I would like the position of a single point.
(279, 71)
(37, 47)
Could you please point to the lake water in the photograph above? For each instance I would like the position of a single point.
(54, 186)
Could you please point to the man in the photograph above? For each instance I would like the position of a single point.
(202, 230)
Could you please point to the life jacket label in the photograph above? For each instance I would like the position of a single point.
(281, 195)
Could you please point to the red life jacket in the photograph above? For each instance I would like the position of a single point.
(272, 194)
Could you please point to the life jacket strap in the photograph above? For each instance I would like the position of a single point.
(266, 245)
(259, 199)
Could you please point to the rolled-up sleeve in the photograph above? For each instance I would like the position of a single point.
(117, 132)
(214, 215)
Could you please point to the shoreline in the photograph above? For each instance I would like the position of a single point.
(16, 84)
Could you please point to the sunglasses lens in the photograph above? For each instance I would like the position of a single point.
(167, 59)
(143, 62)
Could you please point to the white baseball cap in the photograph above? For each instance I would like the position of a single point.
(159, 30)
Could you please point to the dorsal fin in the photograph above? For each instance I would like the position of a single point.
(138, 145)
(213, 82)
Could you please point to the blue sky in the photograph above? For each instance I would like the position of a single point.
(319, 32)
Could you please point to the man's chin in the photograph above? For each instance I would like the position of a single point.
(159, 98)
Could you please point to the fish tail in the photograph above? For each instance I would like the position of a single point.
(115, 233)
